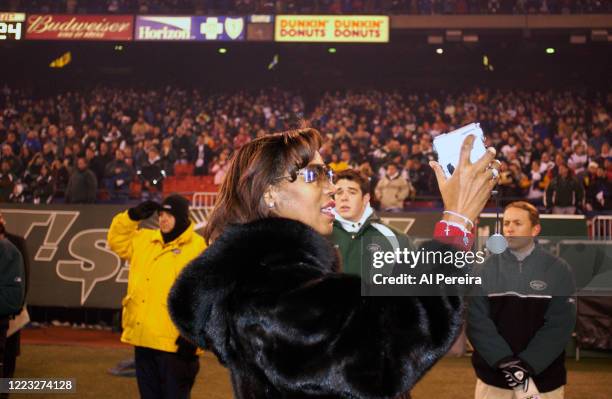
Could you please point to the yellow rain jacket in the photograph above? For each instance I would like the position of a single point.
(153, 268)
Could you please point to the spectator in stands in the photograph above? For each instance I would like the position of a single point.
(168, 157)
(140, 128)
(43, 188)
(564, 194)
(393, 189)
(220, 167)
(33, 170)
(336, 164)
(166, 363)
(419, 176)
(203, 155)
(537, 184)
(184, 144)
(152, 176)
(118, 178)
(241, 138)
(100, 161)
(12, 142)
(7, 181)
(598, 190)
(578, 160)
(15, 163)
(82, 186)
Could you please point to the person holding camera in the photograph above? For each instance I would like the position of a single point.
(166, 363)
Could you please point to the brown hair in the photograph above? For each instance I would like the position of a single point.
(534, 215)
(255, 167)
(357, 177)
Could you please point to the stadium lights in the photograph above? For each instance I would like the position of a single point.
(550, 50)
(222, 50)
(332, 50)
(440, 51)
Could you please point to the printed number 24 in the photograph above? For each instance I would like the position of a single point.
(15, 29)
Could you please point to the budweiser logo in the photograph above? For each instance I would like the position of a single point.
(86, 26)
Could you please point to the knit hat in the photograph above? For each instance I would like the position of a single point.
(177, 206)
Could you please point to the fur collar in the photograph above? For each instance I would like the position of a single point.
(272, 241)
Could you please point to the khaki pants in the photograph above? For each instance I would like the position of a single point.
(484, 391)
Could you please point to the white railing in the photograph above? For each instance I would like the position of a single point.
(601, 227)
(201, 206)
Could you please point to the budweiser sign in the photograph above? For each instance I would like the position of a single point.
(80, 27)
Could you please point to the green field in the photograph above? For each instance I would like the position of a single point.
(452, 378)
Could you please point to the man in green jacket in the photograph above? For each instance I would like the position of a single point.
(12, 289)
(358, 232)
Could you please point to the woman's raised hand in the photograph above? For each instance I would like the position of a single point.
(466, 192)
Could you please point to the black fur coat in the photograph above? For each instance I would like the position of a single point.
(265, 299)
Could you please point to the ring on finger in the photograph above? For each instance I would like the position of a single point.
(495, 173)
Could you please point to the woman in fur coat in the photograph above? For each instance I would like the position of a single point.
(267, 298)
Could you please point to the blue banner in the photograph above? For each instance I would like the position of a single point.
(166, 28)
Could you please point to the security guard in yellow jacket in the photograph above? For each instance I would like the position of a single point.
(166, 364)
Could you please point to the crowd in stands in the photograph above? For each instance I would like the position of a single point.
(83, 147)
(420, 7)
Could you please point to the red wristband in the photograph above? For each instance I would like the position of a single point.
(453, 235)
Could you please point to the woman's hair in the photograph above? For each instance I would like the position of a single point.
(252, 169)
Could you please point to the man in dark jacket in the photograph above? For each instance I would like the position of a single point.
(564, 193)
(357, 229)
(83, 185)
(118, 177)
(12, 290)
(13, 343)
(523, 317)
(152, 176)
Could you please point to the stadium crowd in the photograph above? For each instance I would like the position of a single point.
(421, 7)
(85, 147)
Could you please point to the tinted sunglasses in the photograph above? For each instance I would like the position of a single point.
(312, 173)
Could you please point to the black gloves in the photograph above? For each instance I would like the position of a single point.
(143, 211)
(515, 372)
(186, 350)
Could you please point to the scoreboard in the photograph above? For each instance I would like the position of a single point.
(12, 25)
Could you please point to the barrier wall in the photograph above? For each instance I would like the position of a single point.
(71, 265)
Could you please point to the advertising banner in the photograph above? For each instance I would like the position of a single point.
(80, 27)
(260, 28)
(332, 28)
(165, 28)
(11, 25)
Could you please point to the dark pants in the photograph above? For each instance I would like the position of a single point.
(164, 375)
(4, 322)
(11, 351)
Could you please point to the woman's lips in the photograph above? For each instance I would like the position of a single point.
(328, 210)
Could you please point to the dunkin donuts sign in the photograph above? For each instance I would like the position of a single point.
(80, 27)
(332, 28)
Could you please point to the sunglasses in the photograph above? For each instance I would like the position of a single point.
(312, 173)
